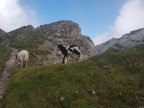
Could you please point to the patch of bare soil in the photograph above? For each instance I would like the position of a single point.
(5, 74)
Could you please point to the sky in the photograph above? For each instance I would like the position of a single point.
(101, 20)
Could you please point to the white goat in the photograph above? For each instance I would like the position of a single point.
(22, 58)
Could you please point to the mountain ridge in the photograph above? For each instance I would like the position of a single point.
(42, 41)
(134, 38)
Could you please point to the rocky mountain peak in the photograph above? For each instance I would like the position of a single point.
(63, 28)
(24, 29)
(21, 32)
(65, 32)
(2, 32)
(134, 35)
(129, 40)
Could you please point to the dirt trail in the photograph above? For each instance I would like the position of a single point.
(5, 75)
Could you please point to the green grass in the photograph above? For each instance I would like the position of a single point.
(4, 54)
(28, 40)
(116, 77)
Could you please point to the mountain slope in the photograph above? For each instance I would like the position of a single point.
(42, 41)
(112, 80)
(4, 54)
(2, 32)
(129, 40)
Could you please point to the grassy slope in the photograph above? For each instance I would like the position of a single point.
(4, 54)
(116, 77)
(28, 40)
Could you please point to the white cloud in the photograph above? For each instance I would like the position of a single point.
(13, 15)
(131, 17)
(102, 38)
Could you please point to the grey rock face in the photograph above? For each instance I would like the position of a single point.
(64, 28)
(67, 33)
(2, 32)
(129, 40)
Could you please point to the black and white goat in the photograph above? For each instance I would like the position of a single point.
(75, 49)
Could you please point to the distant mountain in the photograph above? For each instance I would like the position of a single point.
(2, 32)
(129, 40)
(42, 41)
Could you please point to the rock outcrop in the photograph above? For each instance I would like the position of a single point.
(67, 33)
(2, 32)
